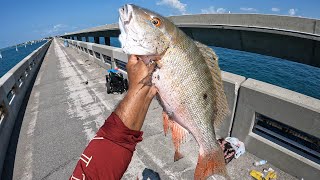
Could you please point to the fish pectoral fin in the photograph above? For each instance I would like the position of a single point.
(210, 164)
(179, 134)
(221, 105)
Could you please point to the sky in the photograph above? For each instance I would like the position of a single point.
(24, 20)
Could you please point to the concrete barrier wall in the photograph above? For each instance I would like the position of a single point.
(13, 87)
(276, 22)
(290, 108)
(231, 85)
(245, 98)
(298, 49)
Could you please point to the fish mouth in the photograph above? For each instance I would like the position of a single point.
(126, 13)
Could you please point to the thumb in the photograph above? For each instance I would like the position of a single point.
(133, 59)
(152, 92)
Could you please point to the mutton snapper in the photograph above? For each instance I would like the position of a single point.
(188, 79)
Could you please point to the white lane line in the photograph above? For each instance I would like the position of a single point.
(38, 78)
(27, 172)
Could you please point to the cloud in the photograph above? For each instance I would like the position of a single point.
(212, 10)
(274, 9)
(249, 9)
(292, 12)
(55, 29)
(221, 10)
(58, 26)
(174, 4)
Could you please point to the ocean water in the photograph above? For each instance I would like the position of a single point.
(11, 57)
(297, 77)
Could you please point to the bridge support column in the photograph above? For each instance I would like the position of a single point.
(79, 38)
(107, 41)
(97, 40)
(87, 38)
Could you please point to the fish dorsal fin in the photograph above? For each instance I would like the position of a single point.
(178, 134)
(221, 105)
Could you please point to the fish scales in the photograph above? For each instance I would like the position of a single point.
(184, 80)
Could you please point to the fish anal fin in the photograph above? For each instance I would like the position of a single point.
(210, 164)
(178, 137)
(178, 134)
(221, 105)
(177, 156)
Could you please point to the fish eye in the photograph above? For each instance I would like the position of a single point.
(156, 21)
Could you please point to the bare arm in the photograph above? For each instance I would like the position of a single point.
(133, 108)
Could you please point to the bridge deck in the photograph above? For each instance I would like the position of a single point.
(63, 113)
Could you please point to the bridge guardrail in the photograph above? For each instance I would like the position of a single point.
(13, 87)
(248, 99)
(281, 126)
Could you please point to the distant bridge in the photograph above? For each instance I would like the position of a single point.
(292, 38)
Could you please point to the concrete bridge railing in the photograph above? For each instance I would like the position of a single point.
(13, 88)
(264, 116)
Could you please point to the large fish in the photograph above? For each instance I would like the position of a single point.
(188, 79)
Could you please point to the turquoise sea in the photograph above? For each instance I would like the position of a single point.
(298, 77)
(11, 57)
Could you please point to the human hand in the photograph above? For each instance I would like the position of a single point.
(133, 108)
(139, 75)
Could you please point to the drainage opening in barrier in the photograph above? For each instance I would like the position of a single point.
(90, 52)
(293, 139)
(2, 113)
(122, 65)
(11, 95)
(20, 80)
(97, 55)
(26, 72)
(107, 59)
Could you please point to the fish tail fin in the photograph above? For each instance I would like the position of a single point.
(220, 104)
(210, 164)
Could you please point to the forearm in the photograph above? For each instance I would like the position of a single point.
(133, 108)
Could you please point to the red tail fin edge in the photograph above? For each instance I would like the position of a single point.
(210, 164)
